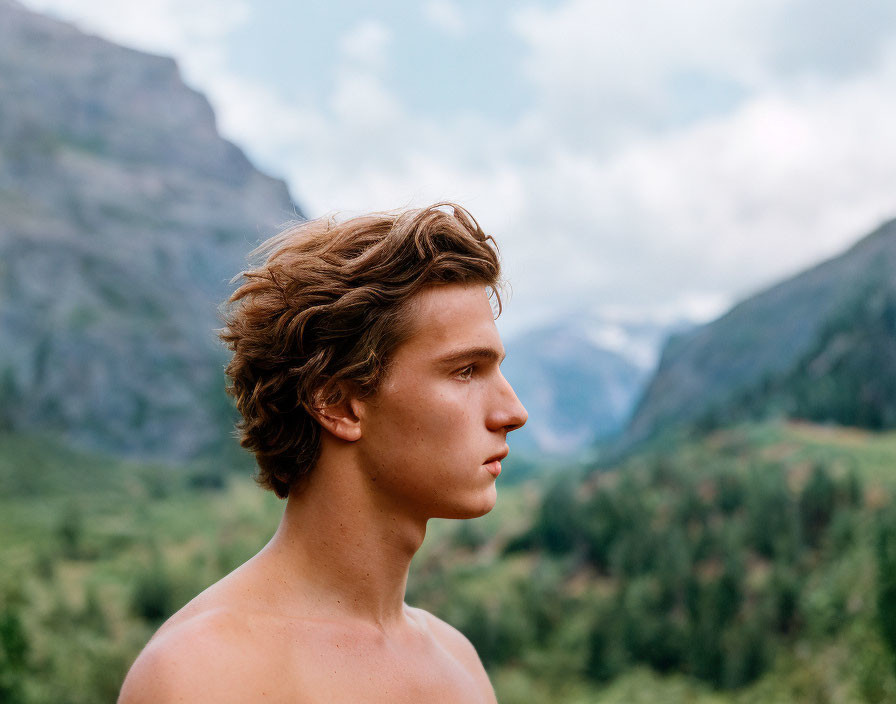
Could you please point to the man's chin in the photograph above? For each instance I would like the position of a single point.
(472, 509)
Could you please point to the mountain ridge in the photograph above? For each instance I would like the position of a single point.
(760, 339)
(577, 392)
(125, 215)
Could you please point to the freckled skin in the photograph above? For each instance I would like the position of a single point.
(318, 615)
(430, 427)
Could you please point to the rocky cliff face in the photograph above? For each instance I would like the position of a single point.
(123, 215)
(820, 345)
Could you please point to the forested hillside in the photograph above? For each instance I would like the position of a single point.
(847, 377)
(756, 564)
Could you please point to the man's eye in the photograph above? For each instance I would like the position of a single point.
(466, 373)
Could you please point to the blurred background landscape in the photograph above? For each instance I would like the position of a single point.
(694, 205)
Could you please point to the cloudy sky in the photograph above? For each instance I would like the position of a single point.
(637, 159)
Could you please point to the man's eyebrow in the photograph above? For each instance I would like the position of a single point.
(489, 354)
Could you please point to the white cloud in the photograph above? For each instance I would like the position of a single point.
(446, 16)
(641, 212)
(366, 44)
(191, 30)
(604, 71)
(678, 221)
(712, 212)
(361, 102)
(601, 195)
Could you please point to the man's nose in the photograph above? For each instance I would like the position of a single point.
(509, 413)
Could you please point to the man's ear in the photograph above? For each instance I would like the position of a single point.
(338, 417)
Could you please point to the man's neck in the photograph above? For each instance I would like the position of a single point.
(339, 552)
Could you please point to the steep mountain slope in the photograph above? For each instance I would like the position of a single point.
(848, 377)
(776, 352)
(123, 215)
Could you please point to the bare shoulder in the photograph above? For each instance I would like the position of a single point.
(457, 644)
(448, 636)
(201, 657)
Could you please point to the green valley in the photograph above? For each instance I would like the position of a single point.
(747, 565)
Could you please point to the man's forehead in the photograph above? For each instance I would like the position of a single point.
(451, 319)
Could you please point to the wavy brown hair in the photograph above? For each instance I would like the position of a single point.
(323, 313)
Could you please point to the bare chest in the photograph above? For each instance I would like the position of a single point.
(336, 670)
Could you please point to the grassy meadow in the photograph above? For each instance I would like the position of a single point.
(753, 564)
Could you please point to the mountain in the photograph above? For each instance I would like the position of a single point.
(123, 215)
(849, 376)
(820, 345)
(577, 391)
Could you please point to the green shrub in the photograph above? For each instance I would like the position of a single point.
(885, 551)
(13, 655)
(70, 531)
(153, 595)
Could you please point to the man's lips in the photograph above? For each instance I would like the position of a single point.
(493, 463)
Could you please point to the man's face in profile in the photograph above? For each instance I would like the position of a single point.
(435, 431)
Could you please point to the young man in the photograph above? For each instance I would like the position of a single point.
(366, 369)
